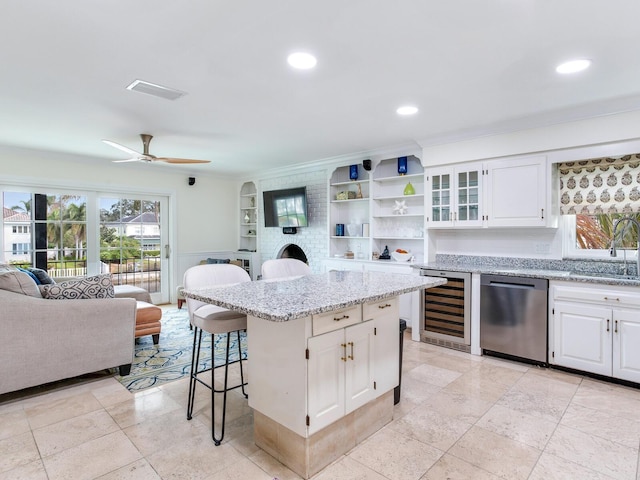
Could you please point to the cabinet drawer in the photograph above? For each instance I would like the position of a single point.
(601, 296)
(327, 322)
(373, 310)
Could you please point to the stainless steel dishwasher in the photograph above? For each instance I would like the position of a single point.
(513, 316)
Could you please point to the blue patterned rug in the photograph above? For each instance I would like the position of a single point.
(170, 360)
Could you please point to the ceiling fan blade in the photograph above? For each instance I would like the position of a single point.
(123, 148)
(179, 160)
(139, 159)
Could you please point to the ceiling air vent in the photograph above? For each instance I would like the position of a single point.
(155, 90)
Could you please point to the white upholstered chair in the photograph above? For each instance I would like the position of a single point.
(284, 268)
(215, 320)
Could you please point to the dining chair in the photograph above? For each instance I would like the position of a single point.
(208, 318)
(284, 268)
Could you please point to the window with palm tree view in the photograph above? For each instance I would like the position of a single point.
(49, 231)
(594, 234)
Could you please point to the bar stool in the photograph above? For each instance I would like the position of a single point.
(284, 268)
(215, 320)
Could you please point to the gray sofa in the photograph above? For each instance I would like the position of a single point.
(47, 340)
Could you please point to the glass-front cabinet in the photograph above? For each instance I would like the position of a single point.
(454, 196)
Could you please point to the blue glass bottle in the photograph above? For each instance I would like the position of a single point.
(353, 172)
(402, 165)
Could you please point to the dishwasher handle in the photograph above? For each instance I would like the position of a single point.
(513, 282)
(511, 285)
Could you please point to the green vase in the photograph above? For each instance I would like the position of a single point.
(409, 190)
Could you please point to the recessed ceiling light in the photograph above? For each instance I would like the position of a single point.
(573, 66)
(302, 60)
(407, 110)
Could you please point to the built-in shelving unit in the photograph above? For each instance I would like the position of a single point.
(351, 211)
(248, 217)
(397, 218)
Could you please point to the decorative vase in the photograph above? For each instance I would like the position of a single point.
(409, 190)
(353, 172)
(402, 165)
(247, 219)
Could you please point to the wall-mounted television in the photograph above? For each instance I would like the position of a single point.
(286, 208)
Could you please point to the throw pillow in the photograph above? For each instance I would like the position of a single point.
(18, 282)
(218, 260)
(5, 267)
(32, 275)
(42, 275)
(98, 286)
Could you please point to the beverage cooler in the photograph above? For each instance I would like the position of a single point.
(447, 311)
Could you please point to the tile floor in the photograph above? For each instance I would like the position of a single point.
(461, 417)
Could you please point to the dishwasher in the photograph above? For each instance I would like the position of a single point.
(513, 317)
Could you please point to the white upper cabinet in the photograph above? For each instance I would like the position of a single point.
(518, 193)
(509, 192)
(455, 196)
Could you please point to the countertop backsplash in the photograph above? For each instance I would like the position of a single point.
(601, 266)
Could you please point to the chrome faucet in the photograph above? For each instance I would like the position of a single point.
(612, 251)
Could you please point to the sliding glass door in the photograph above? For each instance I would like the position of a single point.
(133, 245)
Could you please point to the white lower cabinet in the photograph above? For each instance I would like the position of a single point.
(351, 366)
(340, 373)
(596, 329)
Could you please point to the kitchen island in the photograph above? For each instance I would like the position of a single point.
(323, 359)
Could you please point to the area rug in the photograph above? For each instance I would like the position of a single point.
(170, 360)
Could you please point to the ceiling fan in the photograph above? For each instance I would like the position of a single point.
(145, 156)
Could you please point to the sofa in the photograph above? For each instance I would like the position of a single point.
(45, 340)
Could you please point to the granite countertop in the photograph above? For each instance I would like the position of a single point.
(288, 299)
(605, 278)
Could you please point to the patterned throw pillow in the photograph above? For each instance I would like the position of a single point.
(98, 286)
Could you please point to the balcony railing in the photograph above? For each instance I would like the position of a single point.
(143, 273)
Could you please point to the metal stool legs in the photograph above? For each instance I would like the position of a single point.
(193, 378)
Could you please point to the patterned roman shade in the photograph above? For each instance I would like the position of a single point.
(600, 185)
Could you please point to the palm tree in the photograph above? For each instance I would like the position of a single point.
(596, 231)
(77, 214)
(25, 207)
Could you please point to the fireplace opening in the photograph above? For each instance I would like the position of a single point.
(293, 251)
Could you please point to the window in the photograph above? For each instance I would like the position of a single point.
(20, 248)
(590, 236)
(74, 233)
(59, 224)
(595, 196)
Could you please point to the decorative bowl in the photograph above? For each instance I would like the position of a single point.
(401, 257)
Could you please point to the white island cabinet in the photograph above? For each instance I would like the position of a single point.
(323, 356)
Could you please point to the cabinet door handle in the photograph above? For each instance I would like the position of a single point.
(616, 326)
(386, 305)
(344, 349)
(337, 319)
(351, 345)
(616, 299)
(607, 324)
(542, 213)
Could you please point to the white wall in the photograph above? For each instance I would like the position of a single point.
(590, 132)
